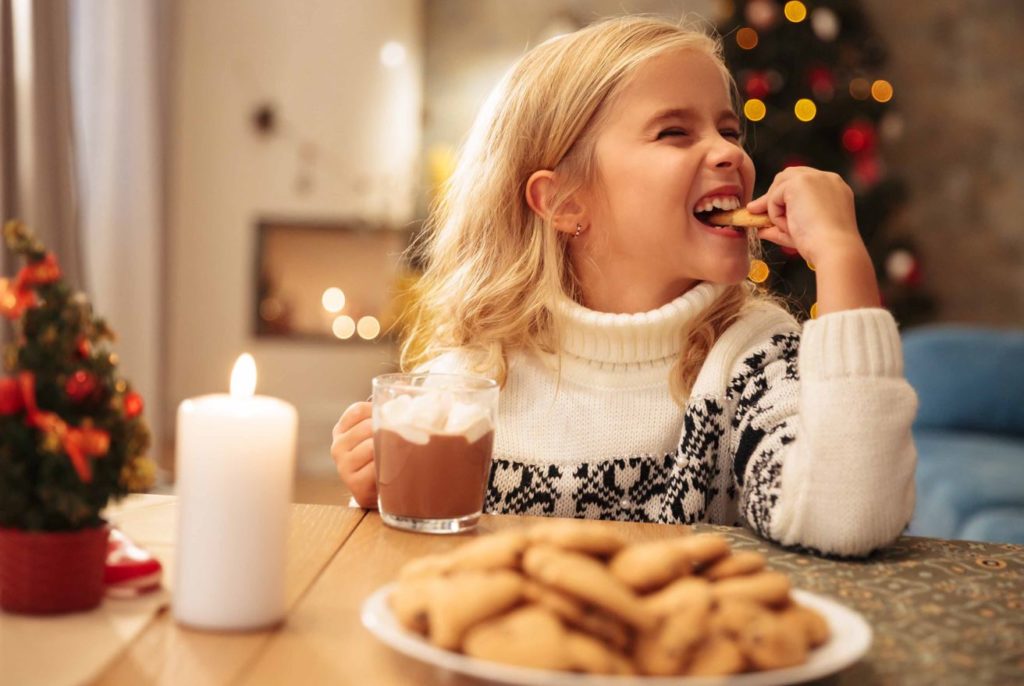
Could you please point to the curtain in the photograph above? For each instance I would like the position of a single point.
(37, 169)
(80, 131)
(118, 58)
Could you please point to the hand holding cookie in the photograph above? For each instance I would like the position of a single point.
(571, 595)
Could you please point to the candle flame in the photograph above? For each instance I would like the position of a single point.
(243, 377)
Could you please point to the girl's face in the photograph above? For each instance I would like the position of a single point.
(668, 144)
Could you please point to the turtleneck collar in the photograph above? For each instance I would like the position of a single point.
(605, 338)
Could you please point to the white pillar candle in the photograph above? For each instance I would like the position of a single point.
(235, 463)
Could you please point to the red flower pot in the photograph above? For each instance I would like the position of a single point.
(50, 572)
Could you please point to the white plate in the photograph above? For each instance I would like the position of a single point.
(850, 639)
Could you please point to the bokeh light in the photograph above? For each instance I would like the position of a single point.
(746, 38)
(805, 109)
(368, 327)
(881, 90)
(333, 299)
(795, 11)
(754, 109)
(343, 327)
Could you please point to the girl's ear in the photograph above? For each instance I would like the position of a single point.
(540, 193)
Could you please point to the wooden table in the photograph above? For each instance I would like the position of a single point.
(946, 612)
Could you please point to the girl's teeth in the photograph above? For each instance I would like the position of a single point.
(722, 203)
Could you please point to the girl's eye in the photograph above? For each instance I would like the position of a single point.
(731, 133)
(671, 132)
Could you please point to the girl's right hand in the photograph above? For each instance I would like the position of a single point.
(352, 450)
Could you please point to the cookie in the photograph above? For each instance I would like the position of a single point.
(646, 566)
(741, 218)
(768, 643)
(717, 655)
(572, 595)
(680, 593)
(805, 619)
(578, 535)
(737, 564)
(586, 579)
(732, 614)
(530, 636)
(565, 606)
(460, 601)
(704, 549)
(768, 588)
(409, 601)
(612, 631)
(588, 654)
(667, 649)
(501, 550)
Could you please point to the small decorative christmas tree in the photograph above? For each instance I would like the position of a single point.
(72, 436)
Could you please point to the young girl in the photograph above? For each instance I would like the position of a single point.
(642, 378)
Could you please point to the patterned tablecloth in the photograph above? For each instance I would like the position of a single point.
(943, 612)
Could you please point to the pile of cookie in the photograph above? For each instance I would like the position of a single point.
(573, 595)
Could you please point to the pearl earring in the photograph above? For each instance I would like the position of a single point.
(579, 230)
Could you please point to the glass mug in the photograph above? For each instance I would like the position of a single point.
(432, 441)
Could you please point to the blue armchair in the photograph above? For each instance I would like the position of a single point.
(969, 432)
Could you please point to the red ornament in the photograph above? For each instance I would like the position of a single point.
(794, 161)
(132, 405)
(43, 271)
(11, 399)
(80, 386)
(859, 137)
(83, 348)
(757, 85)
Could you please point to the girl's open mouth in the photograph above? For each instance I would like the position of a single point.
(709, 205)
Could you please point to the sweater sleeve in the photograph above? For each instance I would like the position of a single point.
(823, 455)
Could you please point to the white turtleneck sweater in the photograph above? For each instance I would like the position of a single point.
(802, 433)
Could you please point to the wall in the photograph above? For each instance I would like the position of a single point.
(958, 73)
(346, 144)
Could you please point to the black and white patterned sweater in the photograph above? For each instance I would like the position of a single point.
(803, 434)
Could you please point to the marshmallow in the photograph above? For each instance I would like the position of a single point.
(469, 420)
(437, 412)
(428, 411)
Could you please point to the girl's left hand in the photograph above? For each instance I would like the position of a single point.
(812, 211)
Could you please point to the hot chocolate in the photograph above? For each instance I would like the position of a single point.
(441, 479)
(432, 440)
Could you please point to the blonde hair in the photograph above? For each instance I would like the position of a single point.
(494, 269)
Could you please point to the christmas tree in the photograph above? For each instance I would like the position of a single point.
(813, 93)
(71, 432)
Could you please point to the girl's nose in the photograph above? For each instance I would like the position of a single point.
(725, 155)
